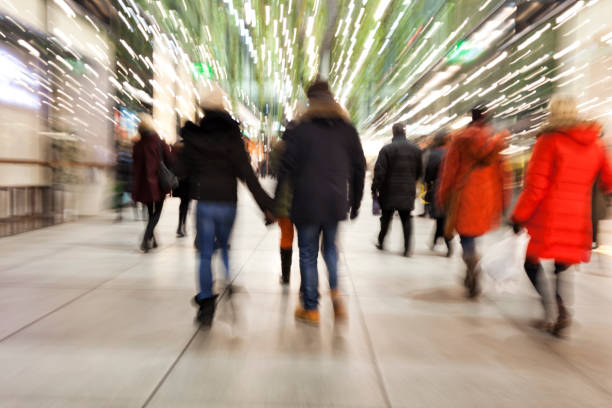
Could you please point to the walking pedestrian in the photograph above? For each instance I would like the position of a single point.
(123, 179)
(398, 167)
(283, 208)
(148, 153)
(214, 158)
(432, 171)
(182, 192)
(325, 162)
(555, 205)
(472, 188)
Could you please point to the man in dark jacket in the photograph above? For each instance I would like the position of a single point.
(326, 164)
(397, 170)
(214, 158)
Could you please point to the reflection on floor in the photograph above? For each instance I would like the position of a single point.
(88, 321)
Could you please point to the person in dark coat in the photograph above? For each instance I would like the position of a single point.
(148, 153)
(214, 158)
(182, 192)
(432, 171)
(283, 208)
(396, 172)
(325, 162)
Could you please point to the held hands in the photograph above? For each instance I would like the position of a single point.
(269, 217)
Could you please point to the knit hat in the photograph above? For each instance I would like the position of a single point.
(319, 90)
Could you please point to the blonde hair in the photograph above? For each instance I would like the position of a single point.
(146, 124)
(562, 112)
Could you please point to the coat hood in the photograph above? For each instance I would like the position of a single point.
(478, 142)
(584, 133)
(326, 110)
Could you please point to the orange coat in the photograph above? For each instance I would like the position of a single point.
(555, 205)
(481, 198)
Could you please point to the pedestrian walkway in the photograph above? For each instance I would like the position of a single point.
(88, 321)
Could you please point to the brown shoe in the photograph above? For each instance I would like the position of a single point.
(340, 312)
(307, 316)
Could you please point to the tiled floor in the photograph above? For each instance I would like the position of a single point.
(87, 320)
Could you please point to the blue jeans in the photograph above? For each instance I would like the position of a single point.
(214, 219)
(308, 242)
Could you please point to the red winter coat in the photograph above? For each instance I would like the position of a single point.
(481, 197)
(146, 166)
(555, 205)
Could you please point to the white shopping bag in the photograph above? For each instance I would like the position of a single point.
(505, 260)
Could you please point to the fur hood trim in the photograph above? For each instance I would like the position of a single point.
(325, 110)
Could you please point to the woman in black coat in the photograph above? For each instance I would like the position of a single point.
(432, 171)
(214, 158)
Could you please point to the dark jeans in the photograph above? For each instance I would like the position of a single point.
(308, 242)
(469, 245)
(385, 221)
(154, 210)
(183, 210)
(214, 219)
(534, 272)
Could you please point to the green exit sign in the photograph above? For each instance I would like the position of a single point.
(202, 70)
(463, 53)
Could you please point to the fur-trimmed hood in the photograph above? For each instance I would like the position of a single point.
(324, 110)
(582, 132)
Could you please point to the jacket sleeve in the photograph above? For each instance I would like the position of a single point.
(244, 171)
(358, 170)
(606, 171)
(537, 179)
(380, 172)
(448, 175)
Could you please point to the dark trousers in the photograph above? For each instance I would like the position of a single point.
(534, 272)
(440, 223)
(154, 210)
(468, 244)
(183, 210)
(385, 221)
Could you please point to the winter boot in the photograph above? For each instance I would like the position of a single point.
(286, 255)
(339, 308)
(206, 310)
(472, 276)
(449, 247)
(563, 320)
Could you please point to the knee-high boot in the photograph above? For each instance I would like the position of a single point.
(286, 255)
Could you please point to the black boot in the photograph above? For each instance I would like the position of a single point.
(449, 247)
(145, 245)
(206, 311)
(472, 276)
(286, 255)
